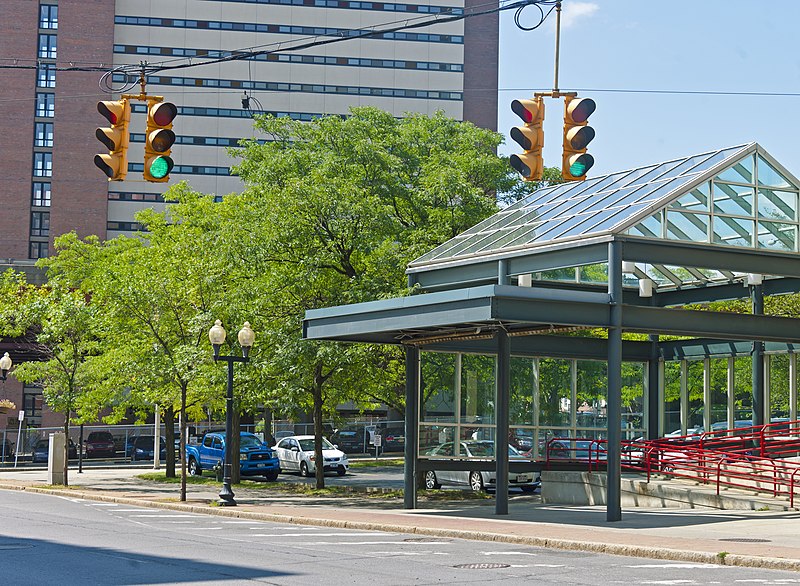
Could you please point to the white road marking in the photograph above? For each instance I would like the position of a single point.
(509, 553)
(102, 504)
(539, 566)
(669, 582)
(157, 516)
(368, 543)
(679, 566)
(315, 534)
(408, 553)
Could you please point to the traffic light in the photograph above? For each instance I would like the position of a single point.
(578, 134)
(159, 139)
(115, 138)
(530, 137)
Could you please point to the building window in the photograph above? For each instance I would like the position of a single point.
(48, 16)
(45, 105)
(47, 46)
(44, 134)
(38, 250)
(46, 75)
(41, 195)
(40, 223)
(42, 164)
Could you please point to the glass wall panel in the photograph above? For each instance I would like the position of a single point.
(687, 226)
(672, 397)
(592, 394)
(775, 236)
(477, 434)
(633, 399)
(695, 388)
(719, 393)
(431, 437)
(650, 227)
(743, 388)
(777, 205)
(524, 380)
(733, 199)
(477, 389)
(555, 394)
(438, 387)
(768, 175)
(696, 200)
(733, 231)
(740, 172)
(778, 386)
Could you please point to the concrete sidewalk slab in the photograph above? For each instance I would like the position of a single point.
(768, 539)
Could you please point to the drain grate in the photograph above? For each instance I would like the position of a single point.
(747, 540)
(426, 540)
(481, 566)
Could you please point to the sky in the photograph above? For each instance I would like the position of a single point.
(682, 45)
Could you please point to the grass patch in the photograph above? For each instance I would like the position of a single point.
(453, 495)
(161, 477)
(376, 463)
(58, 486)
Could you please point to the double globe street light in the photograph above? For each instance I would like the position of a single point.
(246, 337)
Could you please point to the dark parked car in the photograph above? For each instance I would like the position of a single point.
(100, 444)
(393, 439)
(351, 439)
(41, 450)
(143, 448)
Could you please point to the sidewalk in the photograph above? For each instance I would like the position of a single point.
(768, 539)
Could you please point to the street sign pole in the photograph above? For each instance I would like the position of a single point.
(19, 437)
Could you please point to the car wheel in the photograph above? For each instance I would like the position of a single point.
(341, 471)
(431, 482)
(528, 488)
(272, 477)
(304, 470)
(476, 481)
(194, 469)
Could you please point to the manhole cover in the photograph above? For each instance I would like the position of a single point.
(426, 540)
(747, 540)
(481, 566)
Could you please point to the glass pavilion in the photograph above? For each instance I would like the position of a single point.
(501, 333)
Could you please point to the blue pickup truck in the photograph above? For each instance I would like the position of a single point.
(255, 458)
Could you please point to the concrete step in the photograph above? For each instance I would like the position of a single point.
(589, 488)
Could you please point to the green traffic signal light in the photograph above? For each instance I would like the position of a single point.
(160, 166)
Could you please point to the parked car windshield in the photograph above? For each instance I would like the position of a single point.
(249, 442)
(307, 445)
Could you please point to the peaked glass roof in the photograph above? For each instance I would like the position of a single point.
(735, 196)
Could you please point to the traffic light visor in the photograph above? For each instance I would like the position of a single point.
(579, 137)
(527, 138)
(161, 140)
(525, 164)
(163, 113)
(580, 164)
(111, 137)
(107, 164)
(528, 110)
(159, 167)
(580, 109)
(114, 112)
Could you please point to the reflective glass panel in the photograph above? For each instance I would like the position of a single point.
(694, 385)
(672, 398)
(718, 410)
(524, 381)
(779, 386)
(592, 392)
(777, 205)
(651, 227)
(733, 199)
(739, 172)
(743, 388)
(776, 236)
(438, 387)
(733, 231)
(633, 399)
(768, 175)
(687, 226)
(696, 200)
(555, 391)
(477, 389)
(608, 219)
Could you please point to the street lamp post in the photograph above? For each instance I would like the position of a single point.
(216, 336)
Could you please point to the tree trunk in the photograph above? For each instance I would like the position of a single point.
(183, 443)
(66, 448)
(269, 439)
(169, 435)
(319, 461)
(236, 476)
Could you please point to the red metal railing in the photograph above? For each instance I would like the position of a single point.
(750, 458)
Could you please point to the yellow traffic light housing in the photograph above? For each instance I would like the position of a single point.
(530, 137)
(159, 139)
(576, 162)
(115, 138)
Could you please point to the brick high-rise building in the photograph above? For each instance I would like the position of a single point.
(47, 144)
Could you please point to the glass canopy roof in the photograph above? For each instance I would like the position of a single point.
(737, 196)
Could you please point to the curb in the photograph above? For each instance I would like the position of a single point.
(721, 558)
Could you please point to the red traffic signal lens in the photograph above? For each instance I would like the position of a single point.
(581, 109)
(163, 113)
(109, 111)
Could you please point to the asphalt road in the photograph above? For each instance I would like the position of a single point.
(55, 540)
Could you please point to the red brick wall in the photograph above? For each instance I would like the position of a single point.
(18, 40)
(481, 40)
(80, 190)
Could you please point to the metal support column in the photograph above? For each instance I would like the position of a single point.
(412, 425)
(757, 302)
(731, 388)
(653, 391)
(613, 503)
(707, 394)
(793, 387)
(501, 436)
